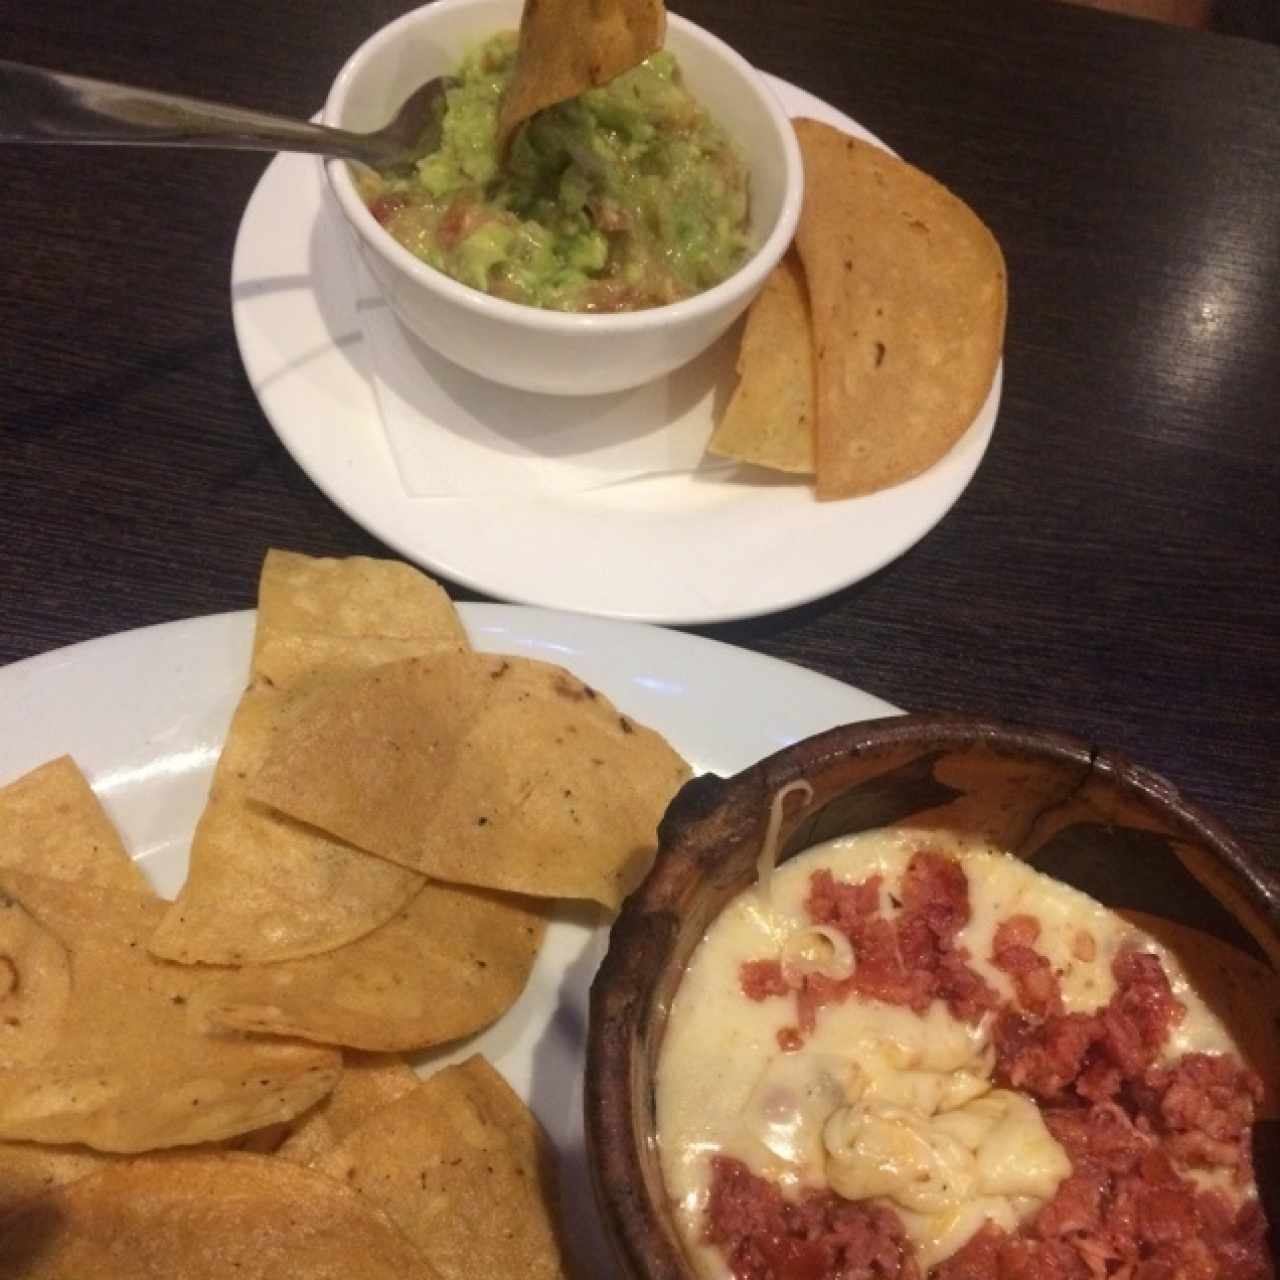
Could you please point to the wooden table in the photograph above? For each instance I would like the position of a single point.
(1111, 571)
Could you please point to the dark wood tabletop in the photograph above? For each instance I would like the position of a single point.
(1112, 569)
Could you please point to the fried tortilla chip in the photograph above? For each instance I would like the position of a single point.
(569, 46)
(1243, 992)
(35, 985)
(463, 1168)
(261, 888)
(370, 1081)
(286, 660)
(52, 823)
(29, 1169)
(908, 293)
(497, 772)
(121, 1066)
(769, 421)
(357, 597)
(91, 851)
(452, 962)
(206, 1217)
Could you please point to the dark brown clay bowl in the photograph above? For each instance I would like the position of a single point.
(1091, 818)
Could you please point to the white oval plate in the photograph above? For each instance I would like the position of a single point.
(144, 714)
(676, 549)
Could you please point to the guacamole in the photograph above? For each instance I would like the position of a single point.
(626, 197)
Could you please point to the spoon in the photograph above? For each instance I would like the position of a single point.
(48, 107)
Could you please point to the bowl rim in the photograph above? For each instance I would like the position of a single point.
(646, 929)
(746, 280)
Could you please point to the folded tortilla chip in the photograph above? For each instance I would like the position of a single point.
(497, 772)
(66, 835)
(568, 46)
(451, 962)
(769, 420)
(370, 1081)
(908, 294)
(260, 888)
(463, 1168)
(120, 1067)
(206, 1217)
(52, 823)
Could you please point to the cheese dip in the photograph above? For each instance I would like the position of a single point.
(902, 1052)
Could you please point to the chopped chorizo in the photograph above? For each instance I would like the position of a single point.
(765, 1236)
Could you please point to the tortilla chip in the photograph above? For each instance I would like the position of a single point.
(477, 769)
(1243, 992)
(568, 46)
(52, 823)
(32, 1020)
(452, 962)
(35, 985)
(357, 597)
(288, 659)
(126, 1069)
(908, 293)
(28, 1169)
(769, 420)
(462, 1167)
(260, 888)
(205, 1217)
(370, 1081)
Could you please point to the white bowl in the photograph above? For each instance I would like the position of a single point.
(551, 351)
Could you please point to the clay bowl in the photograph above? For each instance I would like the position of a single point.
(1088, 817)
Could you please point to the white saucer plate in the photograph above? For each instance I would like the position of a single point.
(676, 548)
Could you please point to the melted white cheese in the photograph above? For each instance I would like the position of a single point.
(881, 1102)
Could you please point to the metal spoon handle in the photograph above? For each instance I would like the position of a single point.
(48, 107)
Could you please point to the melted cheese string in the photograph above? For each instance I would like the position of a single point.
(768, 858)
